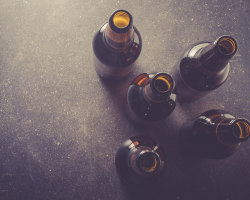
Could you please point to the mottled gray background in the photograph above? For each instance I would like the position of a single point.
(60, 126)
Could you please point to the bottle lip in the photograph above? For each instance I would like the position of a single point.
(241, 129)
(118, 29)
(152, 167)
(162, 84)
(225, 46)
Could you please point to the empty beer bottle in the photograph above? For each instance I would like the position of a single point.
(139, 160)
(204, 67)
(214, 134)
(151, 98)
(117, 45)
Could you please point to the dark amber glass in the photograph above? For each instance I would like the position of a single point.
(139, 161)
(204, 67)
(214, 134)
(151, 98)
(117, 44)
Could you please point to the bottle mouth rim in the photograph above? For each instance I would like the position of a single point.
(162, 83)
(241, 129)
(121, 21)
(226, 46)
(148, 162)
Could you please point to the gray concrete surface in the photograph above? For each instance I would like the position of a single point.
(60, 126)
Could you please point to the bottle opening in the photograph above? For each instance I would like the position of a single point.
(241, 129)
(163, 83)
(121, 19)
(227, 46)
(148, 162)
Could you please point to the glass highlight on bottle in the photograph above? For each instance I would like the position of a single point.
(204, 67)
(117, 45)
(151, 98)
(214, 134)
(139, 161)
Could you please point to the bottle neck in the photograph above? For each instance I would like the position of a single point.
(215, 57)
(119, 31)
(145, 161)
(232, 131)
(146, 157)
(159, 88)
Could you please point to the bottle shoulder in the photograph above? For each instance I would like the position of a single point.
(211, 118)
(214, 114)
(192, 50)
(191, 73)
(113, 57)
(149, 111)
(198, 80)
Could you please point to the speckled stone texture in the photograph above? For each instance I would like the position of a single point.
(60, 125)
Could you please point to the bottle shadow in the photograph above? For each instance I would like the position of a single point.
(117, 88)
(146, 192)
(186, 143)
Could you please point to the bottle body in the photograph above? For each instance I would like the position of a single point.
(146, 101)
(116, 48)
(204, 67)
(139, 161)
(215, 134)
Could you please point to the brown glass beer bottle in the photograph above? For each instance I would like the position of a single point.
(214, 134)
(204, 67)
(117, 45)
(151, 98)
